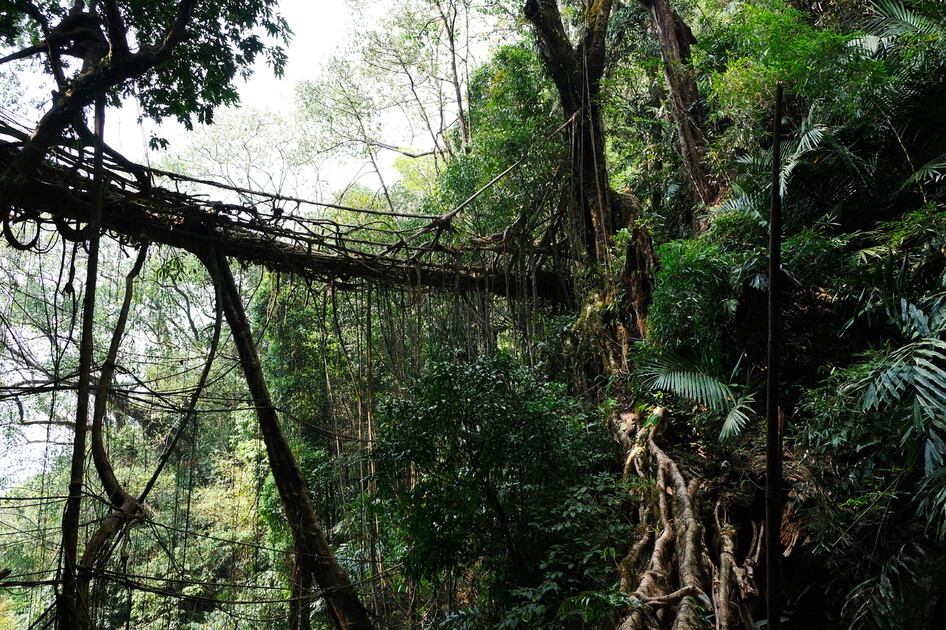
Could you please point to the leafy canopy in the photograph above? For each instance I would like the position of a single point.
(224, 38)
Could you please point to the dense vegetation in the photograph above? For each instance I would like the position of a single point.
(472, 457)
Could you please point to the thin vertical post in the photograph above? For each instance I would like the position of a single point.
(773, 437)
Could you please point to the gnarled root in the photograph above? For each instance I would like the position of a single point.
(679, 586)
(735, 584)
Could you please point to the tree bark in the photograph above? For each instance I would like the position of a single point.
(675, 38)
(309, 540)
(301, 603)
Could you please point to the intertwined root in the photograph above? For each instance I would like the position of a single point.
(678, 585)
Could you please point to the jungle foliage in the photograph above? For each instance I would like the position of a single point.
(461, 450)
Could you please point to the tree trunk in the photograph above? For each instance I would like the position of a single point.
(675, 38)
(577, 71)
(69, 609)
(449, 25)
(301, 603)
(87, 88)
(124, 506)
(597, 210)
(72, 610)
(308, 538)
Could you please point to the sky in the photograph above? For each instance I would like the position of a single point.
(319, 28)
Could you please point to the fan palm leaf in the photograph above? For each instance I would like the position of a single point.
(689, 380)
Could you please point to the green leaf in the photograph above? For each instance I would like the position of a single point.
(693, 381)
(737, 417)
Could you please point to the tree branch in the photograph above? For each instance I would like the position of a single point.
(117, 32)
(557, 51)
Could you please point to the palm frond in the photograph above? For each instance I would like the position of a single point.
(911, 379)
(932, 491)
(931, 172)
(756, 163)
(809, 137)
(893, 19)
(870, 44)
(915, 369)
(738, 417)
(836, 155)
(745, 203)
(684, 378)
(797, 150)
(701, 383)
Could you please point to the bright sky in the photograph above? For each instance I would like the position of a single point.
(319, 30)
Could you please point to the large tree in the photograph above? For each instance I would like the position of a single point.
(577, 69)
(597, 210)
(675, 39)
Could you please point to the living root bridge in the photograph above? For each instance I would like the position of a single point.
(669, 575)
(61, 193)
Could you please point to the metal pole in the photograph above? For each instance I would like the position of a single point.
(773, 437)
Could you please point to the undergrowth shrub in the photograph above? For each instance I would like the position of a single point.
(491, 472)
(692, 300)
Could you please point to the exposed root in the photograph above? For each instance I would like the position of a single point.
(735, 584)
(630, 568)
(679, 585)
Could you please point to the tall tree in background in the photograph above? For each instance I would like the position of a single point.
(577, 70)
